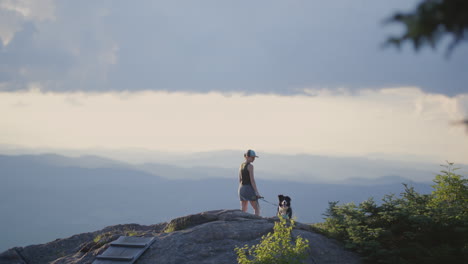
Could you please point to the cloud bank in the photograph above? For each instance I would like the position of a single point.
(397, 122)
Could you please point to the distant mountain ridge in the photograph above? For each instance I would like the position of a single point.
(299, 167)
(391, 179)
(289, 168)
(43, 197)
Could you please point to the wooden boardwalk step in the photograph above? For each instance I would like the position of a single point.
(114, 258)
(135, 245)
(124, 250)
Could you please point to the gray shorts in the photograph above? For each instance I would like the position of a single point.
(247, 193)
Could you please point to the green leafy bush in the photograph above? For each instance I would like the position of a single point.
(414, 228)
(278, 247)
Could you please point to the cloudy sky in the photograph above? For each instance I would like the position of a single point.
(188, 76)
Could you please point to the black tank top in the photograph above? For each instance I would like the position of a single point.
(245, 174)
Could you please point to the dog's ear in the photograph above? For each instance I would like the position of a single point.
(287, 198)
(280, 197)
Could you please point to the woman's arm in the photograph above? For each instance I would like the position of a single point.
(252, 179)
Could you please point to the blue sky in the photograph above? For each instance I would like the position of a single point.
(309, 76)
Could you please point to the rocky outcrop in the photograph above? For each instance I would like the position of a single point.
(208, 237)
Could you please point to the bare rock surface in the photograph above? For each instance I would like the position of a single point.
(208, 237)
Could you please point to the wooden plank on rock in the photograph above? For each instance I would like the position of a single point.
(125, 250)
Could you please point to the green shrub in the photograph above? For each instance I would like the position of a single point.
(278, 247)
(414, 228)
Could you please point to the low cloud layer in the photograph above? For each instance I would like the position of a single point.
(396, 122)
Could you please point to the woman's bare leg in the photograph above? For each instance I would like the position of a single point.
(244, 205)
(255, 207)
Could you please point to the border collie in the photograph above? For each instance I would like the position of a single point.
(284, 206)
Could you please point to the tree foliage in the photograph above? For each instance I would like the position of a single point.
(431, 21)
(412, 228)
(279, 247)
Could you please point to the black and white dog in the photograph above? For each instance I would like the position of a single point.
(284, 206)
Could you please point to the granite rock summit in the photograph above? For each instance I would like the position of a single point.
(207, 237)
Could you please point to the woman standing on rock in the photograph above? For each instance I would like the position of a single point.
(247, 187)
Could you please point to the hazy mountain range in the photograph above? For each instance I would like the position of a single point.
(299, 167)
(48, 196)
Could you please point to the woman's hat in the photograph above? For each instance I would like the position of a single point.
(250, 153)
